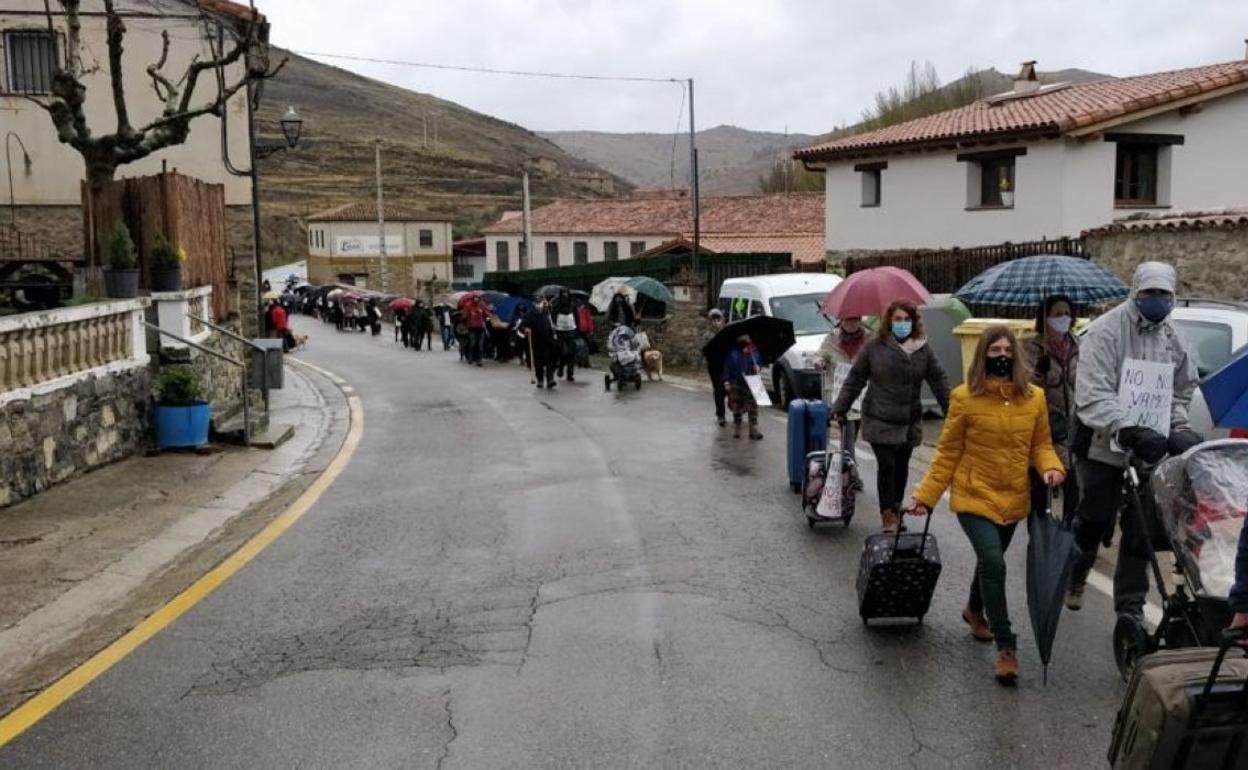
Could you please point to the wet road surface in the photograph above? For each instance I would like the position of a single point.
(510, 577)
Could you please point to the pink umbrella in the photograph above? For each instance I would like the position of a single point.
(870, 292)
(402, 303)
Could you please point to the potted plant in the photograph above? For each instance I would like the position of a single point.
(166, 265)
(121, 278)
(181, 415)
(1007, 195)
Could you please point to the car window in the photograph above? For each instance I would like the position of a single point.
(756, 308)
(725, 306)
(1208, 343)
(740, 309)
(803, 311)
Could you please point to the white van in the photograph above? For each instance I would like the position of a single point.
(795, 297)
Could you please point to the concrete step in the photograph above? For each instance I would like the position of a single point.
(230, 430)
(273, 436)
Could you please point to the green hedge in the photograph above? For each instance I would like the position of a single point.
(661, 268)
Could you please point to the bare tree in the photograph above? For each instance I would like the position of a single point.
(103, 153)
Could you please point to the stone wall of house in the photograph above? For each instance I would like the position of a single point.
(59, 228)
(1212, 262)
(240, 240)
(51, 437)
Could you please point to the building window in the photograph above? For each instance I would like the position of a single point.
(996, 183)
(1135, 175)
(580, 253)
(30, 57)
(636, 247)
(426, 239)
(461, 267)
(552, 254)
(871, 181)
(502, 253)
(610, 251)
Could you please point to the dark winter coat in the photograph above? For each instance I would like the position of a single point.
(620, 311)
(1058, 381)
(892, 411)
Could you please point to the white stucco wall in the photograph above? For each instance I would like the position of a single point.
(407, 233)
(1062, 186)
(566, 255)
(57, 169)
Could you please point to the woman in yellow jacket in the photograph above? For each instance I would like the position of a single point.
(997, 427)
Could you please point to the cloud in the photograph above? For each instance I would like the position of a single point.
(759, 64)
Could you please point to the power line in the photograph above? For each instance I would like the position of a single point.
(489, 70)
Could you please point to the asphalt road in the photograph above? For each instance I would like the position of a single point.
(510, 577)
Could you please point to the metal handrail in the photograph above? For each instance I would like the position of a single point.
(264, 370)
(223, 357)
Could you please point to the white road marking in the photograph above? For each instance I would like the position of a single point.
(1104, 584)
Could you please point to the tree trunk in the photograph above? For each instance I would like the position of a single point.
(99, 213)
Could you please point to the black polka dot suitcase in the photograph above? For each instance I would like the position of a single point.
(898, 574)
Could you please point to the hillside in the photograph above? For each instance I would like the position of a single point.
(732, 159)
(472, 172)
(646, 159)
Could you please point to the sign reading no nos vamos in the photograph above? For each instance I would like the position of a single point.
(1145, 392)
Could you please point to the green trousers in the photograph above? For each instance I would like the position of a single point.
(990, 540)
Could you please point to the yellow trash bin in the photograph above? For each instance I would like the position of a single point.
(969, 331)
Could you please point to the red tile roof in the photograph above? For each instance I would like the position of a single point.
(1176, 220)
(730, 216)
(1053, 111)
(228, 8)
(804, 248)
(367, 212)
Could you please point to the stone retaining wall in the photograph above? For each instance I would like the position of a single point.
(1212, 262)
(51, 437)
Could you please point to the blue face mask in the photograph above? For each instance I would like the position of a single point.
(902, 329)
(1155, 308)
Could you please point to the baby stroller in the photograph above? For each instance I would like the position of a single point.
(1201, 499)
(625, 351)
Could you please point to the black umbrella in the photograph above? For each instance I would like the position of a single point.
(549, 291)
(1050, 556)
(772, 337)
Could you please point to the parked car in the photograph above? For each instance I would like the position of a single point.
(795, 297)
(1213, 331)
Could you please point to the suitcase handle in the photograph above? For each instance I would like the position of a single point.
(1230, 636)
(927, 524)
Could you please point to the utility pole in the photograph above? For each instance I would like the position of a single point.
(693, 183)
(424, 129)
(528, 228)
(381, 226)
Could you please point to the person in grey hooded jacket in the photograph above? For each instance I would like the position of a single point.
(1138, 329)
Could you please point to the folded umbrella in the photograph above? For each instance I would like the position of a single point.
(772, 336)
(870, 292)
(1226, 392)
(1029, 281)
(1050, 556)
(602, 293)
(402, 303)
(651, 289)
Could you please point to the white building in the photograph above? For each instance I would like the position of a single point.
(576, 232)
(344, 246)
(1040, 162)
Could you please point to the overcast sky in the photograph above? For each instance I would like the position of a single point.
(758, 64)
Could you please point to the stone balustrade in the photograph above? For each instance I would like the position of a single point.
(46, 350)
(179, 312)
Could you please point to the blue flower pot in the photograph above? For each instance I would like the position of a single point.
(181, 426)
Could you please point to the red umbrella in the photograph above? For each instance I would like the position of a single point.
(870, 292)
(467, 296)
(402, 303)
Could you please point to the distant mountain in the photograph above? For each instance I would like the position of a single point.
(733, 159)
(472, 172)
(729, 158)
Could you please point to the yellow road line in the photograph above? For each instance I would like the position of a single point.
(38, 707)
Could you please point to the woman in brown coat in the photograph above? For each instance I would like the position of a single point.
(895, 363)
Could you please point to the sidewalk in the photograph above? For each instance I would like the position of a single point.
(84, 562)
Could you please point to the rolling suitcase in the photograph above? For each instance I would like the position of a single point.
(841, 485)
(898, 574)
(808, 432)
(1185, 708)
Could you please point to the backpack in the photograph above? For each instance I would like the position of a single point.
(584, 321)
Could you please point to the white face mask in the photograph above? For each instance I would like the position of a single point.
(1060, 323)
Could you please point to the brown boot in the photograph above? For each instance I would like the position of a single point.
(980, 629)
(1006, 667)
(890, 520)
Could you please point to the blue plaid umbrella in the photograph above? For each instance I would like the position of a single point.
(1029, 281)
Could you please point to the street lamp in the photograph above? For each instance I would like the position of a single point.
(8, 162)
(292, 127)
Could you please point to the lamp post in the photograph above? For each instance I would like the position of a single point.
(8, 162)
(292, 128)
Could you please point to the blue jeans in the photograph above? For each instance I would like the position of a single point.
(448, 337)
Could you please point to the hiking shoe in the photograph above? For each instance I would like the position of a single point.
(1074, 598)
(980, 630)
(1005, 668)
(755, 435)
(550, 384)
(722, 422)
(736, 430)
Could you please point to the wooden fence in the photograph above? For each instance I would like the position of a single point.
(187, 211)
(947, 270)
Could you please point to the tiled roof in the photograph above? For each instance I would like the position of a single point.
(367, 212)
(804, 248)
(1054, 111)
(1176, 220)
(741, 215)
(228, 8)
